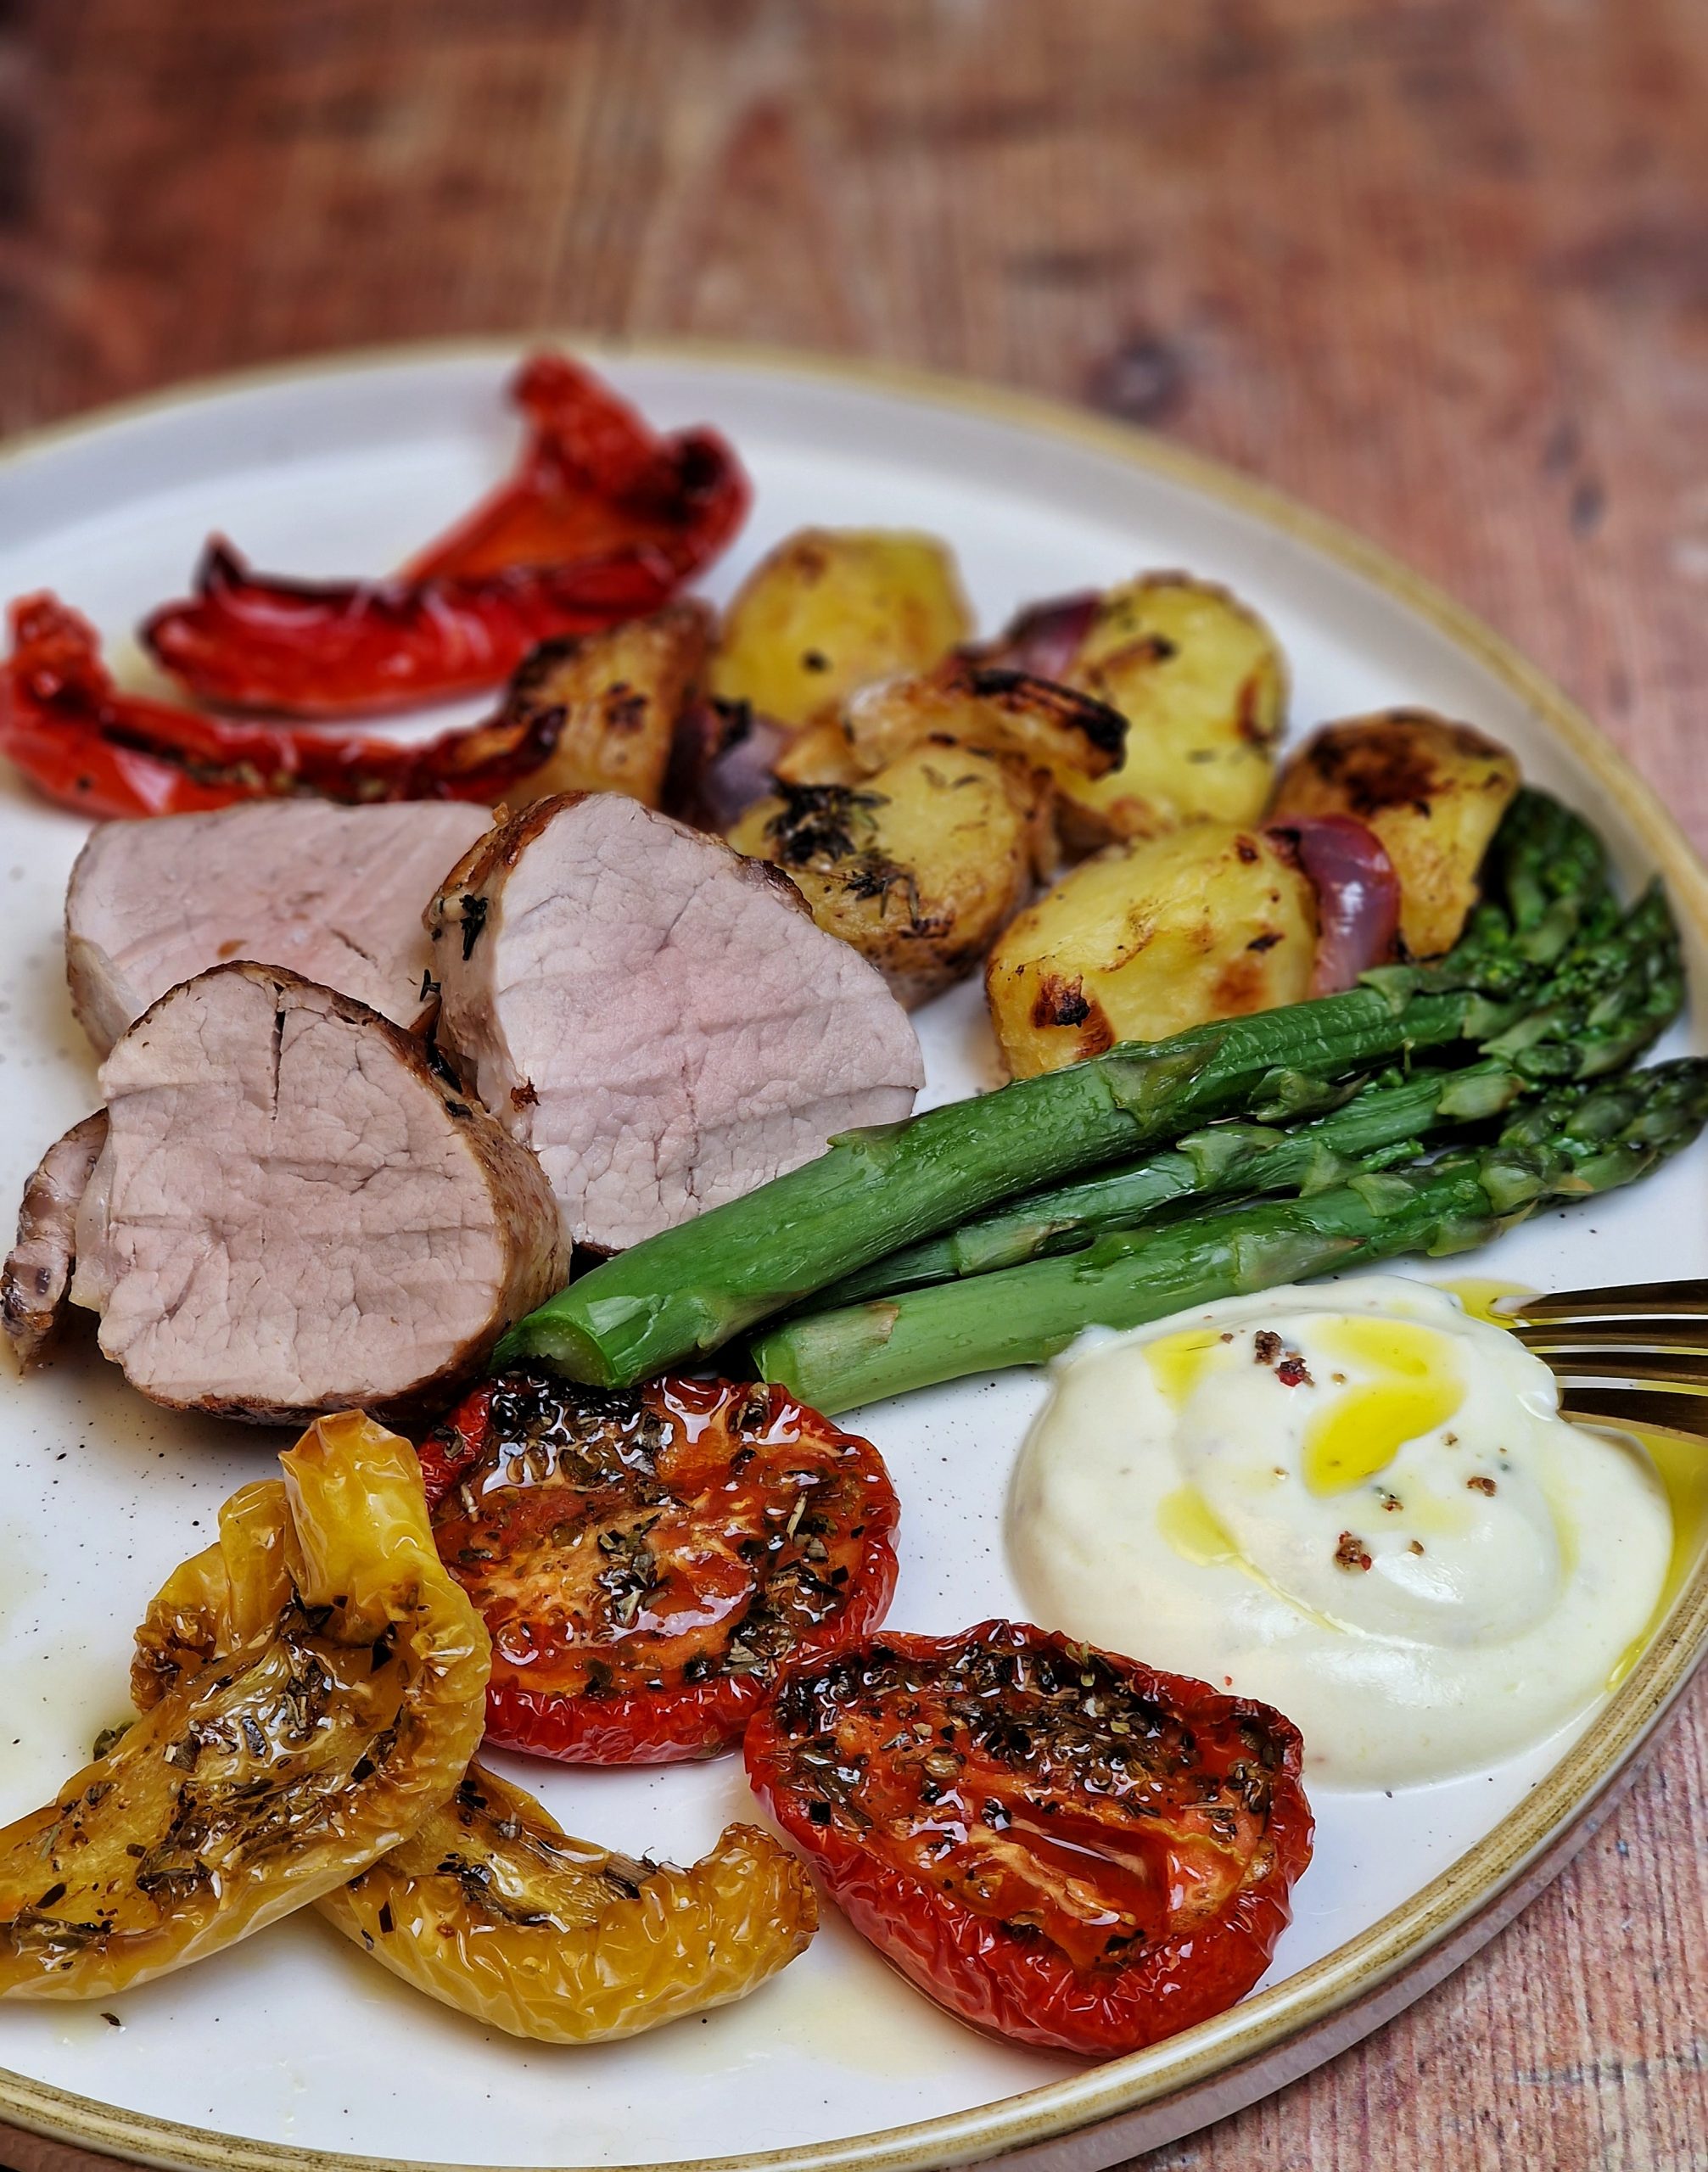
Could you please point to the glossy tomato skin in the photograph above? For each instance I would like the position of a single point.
(1059, 1846)
(648, 1561)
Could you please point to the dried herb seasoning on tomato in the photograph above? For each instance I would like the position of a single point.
(600, 520)
(647, 1562)
(1059, 1846)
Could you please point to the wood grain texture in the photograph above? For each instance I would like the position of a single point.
(1438, 267)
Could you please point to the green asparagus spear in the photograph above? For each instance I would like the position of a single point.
(1544, 883)
(689, 1289)
(1605, 1000)
(1573, 1143)
(1604, 1004)
(1550, 873)
(1385, 1122)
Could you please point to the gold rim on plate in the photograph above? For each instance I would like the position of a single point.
(1446, 1915)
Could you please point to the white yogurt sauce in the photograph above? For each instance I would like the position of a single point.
(1358, 1503)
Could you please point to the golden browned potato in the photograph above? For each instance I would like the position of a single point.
(821, 754)
(1061, 733)
(831, 609)
(1433, 792)
(918, 868)
(620, 693)
(1148, 938)
(1202, 684)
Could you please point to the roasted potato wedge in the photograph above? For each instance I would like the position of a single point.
(1433, 792)
(821, 754)
(1202, 684)
(1052, 728)
(1148, 938)
(1063, 734)
(919, 868)
(619, 693)
(831, 609)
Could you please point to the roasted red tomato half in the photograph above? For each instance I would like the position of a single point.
(1061, 1847)
(648, 1562)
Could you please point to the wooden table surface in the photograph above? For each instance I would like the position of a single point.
(1438, 267)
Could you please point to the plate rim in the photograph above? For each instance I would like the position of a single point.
(1267, 2021)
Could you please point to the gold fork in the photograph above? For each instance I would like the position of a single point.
(1636, 1356)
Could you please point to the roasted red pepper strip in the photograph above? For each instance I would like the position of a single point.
(647, 1562)
(601, 521)
(592, 478)
(1061, 1847)
(83, 742)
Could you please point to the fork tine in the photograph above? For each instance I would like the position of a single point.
(1689, 1299)
(1636, 1355)
(1596, 1334)
(1679, 1369)
(1647, 1410)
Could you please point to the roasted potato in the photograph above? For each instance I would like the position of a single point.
(821, 754)
(831, 609)
(1053, 730)
(1202, 684)
(919, 867)
(1433, 792)
(620, 693)
(1148, 938)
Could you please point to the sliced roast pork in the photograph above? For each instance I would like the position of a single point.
(37, 1277)
(334, 892)
(659, 1019)
(293, 1213)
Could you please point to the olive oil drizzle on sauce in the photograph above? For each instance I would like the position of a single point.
(1366, 1431)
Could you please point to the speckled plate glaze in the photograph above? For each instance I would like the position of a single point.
(290, 2052)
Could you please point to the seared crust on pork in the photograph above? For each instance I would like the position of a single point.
(37, 1277)
(294, 1213)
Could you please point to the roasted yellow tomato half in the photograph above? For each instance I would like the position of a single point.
(220, 1598)
(919, 867)
(494, 1910)
(834, 608)
(489, 1906)
(254, 1783)
(1148, 938)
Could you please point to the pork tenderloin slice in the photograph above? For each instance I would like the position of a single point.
(293, 1214)
(659, 1019)
(334, 892)
(36, 1278)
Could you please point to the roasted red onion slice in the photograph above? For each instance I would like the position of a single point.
(1044, 638)
(1358, 895)
(722, 762)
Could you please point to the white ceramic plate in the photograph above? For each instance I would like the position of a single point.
(291, 2047)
